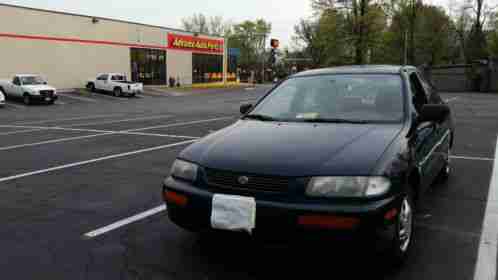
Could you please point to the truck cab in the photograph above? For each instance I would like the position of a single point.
(30, 88)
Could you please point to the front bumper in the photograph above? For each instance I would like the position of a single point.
(43, 97)
(282, 218)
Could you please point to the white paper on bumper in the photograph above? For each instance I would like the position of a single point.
(232, 212)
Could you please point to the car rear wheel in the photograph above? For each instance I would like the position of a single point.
(26, 99)
(403, 230)
(91, 87)
(117, 92)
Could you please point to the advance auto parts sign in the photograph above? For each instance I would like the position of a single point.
(192, 43)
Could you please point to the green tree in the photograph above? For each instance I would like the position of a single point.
(250, 37)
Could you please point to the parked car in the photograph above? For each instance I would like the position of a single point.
(115, 83)
(346, 150)
(2, 99)
(30, 88)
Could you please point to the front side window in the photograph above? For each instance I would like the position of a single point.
(32, 80)
(102, 77)
(355, 97)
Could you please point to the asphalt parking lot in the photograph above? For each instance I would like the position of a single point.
(80, 183)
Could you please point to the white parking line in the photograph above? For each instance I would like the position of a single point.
(124, 120)
(60, 167)
(20, 131)
(52, 141)
(451, 99)
(179, 124)
(485, 268)
(71, 119)
(472, 158)
(77, 97)
(124, 222)
(100, 133)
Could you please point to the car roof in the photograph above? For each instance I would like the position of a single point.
(357, 69)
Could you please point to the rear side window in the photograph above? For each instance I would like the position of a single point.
(118, 78)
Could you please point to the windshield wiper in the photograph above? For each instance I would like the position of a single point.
(335, 120)
(259, 117)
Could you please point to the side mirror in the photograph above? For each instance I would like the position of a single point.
(45, 83)
(434, 113)
(244, 108)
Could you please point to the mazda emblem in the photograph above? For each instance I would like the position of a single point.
(243, 180)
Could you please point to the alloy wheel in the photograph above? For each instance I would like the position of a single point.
(405, 225)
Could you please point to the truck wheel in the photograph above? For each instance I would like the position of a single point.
(26, 99)
(117, 92)
(91, 87)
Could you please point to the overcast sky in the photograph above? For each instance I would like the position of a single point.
(283, 14)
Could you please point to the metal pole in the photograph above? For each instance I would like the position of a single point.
(225, 59)
(263, 55)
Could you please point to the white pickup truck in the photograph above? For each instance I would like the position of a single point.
(2, 99)
(115, 83)
(30, 88)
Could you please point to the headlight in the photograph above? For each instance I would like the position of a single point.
(184, 170)
(347, 186)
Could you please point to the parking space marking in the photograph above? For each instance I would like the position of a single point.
(451, 99)
(179, 124)
(20, 131)
(485, 268)
(71, 119)
(80, 163)
(6, 148)
(77, 97)
(123, 222)
(99, 133)
(124, 120)
(472, 158)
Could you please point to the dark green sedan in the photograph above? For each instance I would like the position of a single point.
(341, 151)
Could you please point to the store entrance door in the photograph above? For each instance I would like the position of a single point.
(148, 66)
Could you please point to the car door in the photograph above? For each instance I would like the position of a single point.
(426, 135)
(101, 82)
(443, 130)
(16, 87)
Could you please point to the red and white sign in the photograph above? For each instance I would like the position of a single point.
(193, 43)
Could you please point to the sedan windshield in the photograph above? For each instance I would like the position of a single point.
(32, 80)
(335, 98)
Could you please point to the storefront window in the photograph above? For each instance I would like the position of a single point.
(207, 68)
(148, 66)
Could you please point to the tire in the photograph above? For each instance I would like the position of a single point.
(91, 87)
(117, 92)
(403, 230)
(26, 99)
(445, 173)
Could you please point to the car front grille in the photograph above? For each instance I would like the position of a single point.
(255, 183)
(46, 93)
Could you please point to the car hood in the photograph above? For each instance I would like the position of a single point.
(39, 87)
(294, 149)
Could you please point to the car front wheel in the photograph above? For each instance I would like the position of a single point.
(403, 230)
